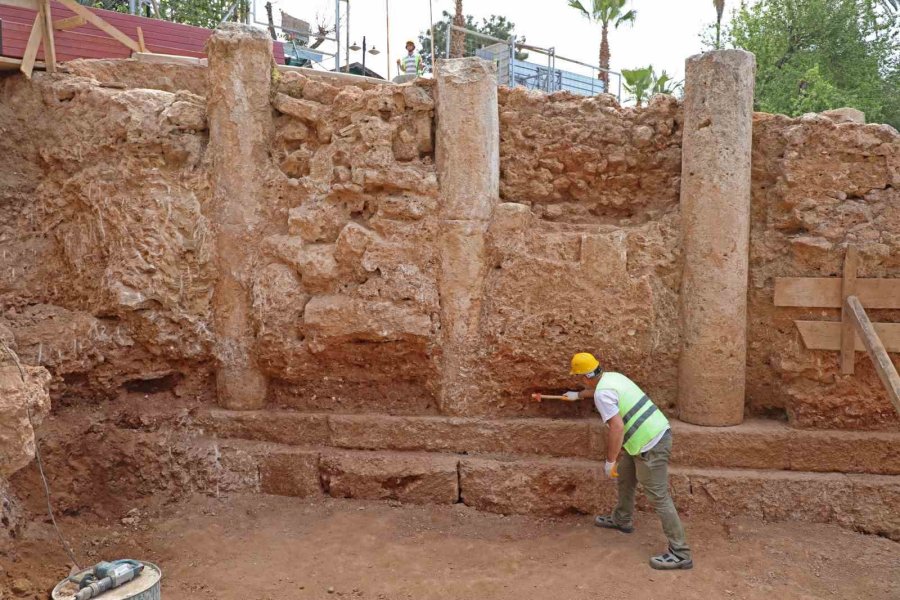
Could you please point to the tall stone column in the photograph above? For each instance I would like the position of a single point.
(239, 112)
(467, 148)
(715, 218)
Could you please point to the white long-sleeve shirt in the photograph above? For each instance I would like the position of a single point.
(607, 403)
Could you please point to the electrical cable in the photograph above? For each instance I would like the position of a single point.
(40, 463)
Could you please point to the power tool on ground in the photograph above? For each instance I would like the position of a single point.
(106, 576)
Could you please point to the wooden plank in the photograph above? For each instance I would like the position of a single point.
(100, 24)
(883, 365)
(14, 64)
(47, 35)
(826, 335)
(825, 292)
(34, 40)
(151, 57)
(27, 4)
(69, 23)
(141, 43)
(848, 335)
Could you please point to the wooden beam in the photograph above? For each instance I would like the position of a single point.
(68, 23)
(27, 4)
(827, 335)
(141, 43)
(169, 59)
(31, 48)
(15, 64)
(848, 332)
(883, 365)
(100, 24)
(47, 35)
(825, 292)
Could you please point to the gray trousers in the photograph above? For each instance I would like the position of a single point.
(651, 469)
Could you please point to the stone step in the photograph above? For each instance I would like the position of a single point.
(559, 486)
(755, 444)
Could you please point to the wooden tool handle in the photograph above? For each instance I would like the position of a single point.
(539, 397)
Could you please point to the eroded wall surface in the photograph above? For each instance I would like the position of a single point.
(585, 250)
(817, 187)
(105, 248)
(106, 245)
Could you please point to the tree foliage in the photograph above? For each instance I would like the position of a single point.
(202, 13)
(814, 55)
(497, 26)
(643, 83)
(606, 13)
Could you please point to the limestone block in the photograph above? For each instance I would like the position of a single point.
(292, 84)
(845, 115)
(317, 266)
(322, 219)
(352, 242)
(290, 472)
(16, 399)
(413, 478)
(406, 206)
(375, 132)
(294, 131)
(335, 319)
(187, 115)
(319, 91)
(451, 434)
(311, 112)
(414, 178)
(280, 427)
(405, 146)
(558, 487)
(417, 98)
(296, 164)
(423, 126)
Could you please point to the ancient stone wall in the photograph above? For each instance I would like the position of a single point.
(817, 187)
(104, 247)
(107, 245)
(585, 250)
(345, 301)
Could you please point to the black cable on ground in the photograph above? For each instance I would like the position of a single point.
(40, 463)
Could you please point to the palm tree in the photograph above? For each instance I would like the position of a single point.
(720, 9)
(458, 38)
(605, 12)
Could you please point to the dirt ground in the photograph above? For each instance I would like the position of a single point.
(274, 548)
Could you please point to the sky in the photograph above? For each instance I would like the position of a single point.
(665, 33)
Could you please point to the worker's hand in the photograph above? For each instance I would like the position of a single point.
(571, 396)
(609, 468)
(398, 62)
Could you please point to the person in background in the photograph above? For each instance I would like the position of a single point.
(411, 64)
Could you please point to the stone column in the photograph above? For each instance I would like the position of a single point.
(467, 149)
(715, 218)
(240, 115)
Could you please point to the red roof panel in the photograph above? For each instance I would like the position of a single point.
(88, 41)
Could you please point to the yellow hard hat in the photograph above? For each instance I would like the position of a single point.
(584, 363)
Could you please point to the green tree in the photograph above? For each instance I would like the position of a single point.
(720, 10)
(822, 54)
(643, 83)
(605, 12)
(496, 26)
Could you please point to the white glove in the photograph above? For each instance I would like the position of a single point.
(610, 469)
(571, 396)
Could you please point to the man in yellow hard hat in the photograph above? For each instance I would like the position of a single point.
(637, 426)
(411, 64)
